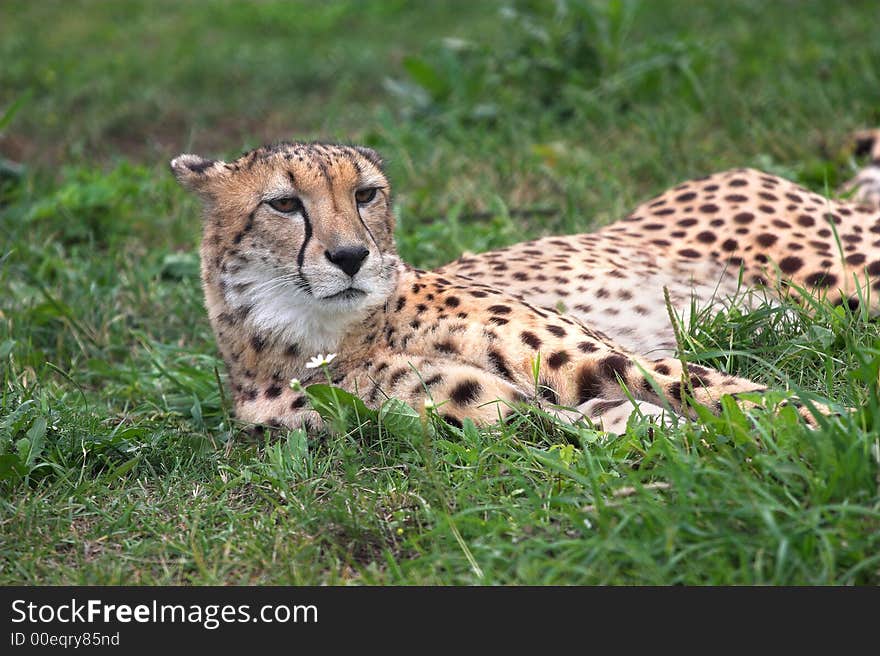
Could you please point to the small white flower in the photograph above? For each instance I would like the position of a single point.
(320, 360)
(295, 385)
(429, 404)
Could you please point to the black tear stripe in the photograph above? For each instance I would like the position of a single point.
(301, 256)
(369, 232)
(247, 228)
(307, 226)
(350, 156)
(357, 209)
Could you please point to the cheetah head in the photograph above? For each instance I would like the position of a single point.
(297, 238)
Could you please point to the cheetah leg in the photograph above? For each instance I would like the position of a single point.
(458, 391)
(454, 390)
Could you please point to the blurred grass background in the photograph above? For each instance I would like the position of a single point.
(500, 121)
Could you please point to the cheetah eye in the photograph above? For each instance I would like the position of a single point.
(364, 196)
(286, 205)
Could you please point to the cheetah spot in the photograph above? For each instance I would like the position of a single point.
(589, 385)
(806, 220)
(821, 279)
(558, 359)
(500, 364)
(396, 375)
(766, 239)
(446, 347)
(466, 392)
(614, 366)
(675, 391)
(452, 421)
(855, 259)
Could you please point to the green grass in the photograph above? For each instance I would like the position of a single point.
(118, 459)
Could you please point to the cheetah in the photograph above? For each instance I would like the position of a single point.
(298, 258)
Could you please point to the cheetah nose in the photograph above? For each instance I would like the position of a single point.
(348, 259)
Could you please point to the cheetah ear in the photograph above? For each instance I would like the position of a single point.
(372, 156)
(196, 173)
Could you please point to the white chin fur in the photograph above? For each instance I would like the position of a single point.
(293, 315)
